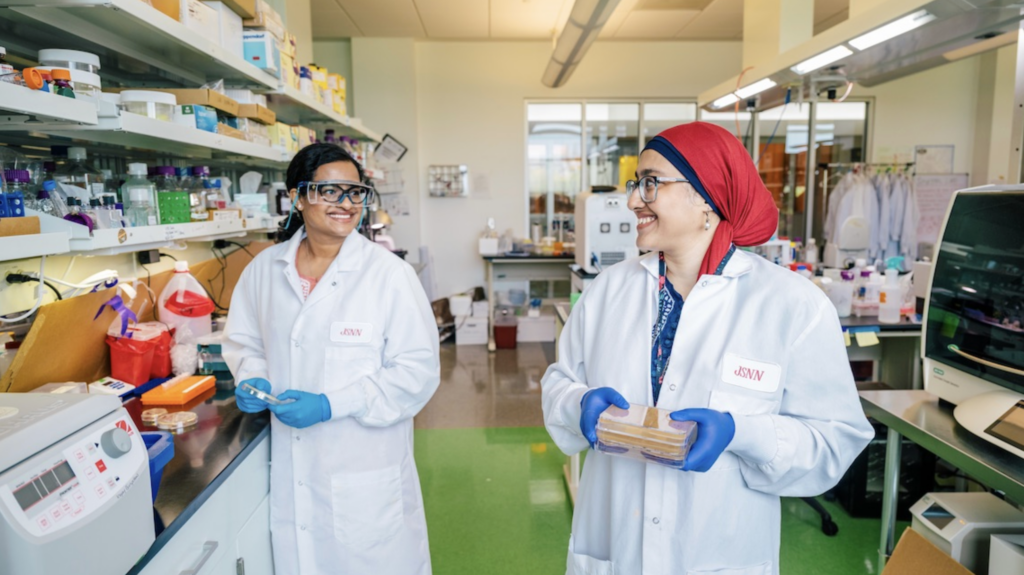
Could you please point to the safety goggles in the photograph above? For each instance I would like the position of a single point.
(335, 192)
(648, 186)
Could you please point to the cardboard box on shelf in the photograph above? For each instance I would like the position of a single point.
(267, 19)
(241, 96)
(195, 116)
(279, 135)
(225, 214)
(244, 8)
(257, 112)
(200, 18)
(171, 8)
(23, 226)
(203, 97)
(289, 71)
(915, 555)
(261, 50)
(226, 130)
(306, 136)
(290, 44)
(229, 25)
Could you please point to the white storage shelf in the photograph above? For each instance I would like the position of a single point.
(19, 105)
(135, 41)
(33, 246)
(294, 107)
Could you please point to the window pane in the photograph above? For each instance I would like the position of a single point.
(729, 120)
(660, 116)
(555, 163)
(783, 159)
(612, 143)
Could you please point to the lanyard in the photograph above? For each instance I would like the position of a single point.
(661, 365)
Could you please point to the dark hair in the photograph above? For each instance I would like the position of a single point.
(302, 168)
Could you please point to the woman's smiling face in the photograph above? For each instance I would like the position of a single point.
(328, 219)
(676, 216)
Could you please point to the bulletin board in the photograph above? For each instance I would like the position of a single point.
(934, 191)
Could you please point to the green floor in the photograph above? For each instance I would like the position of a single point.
(496, 504)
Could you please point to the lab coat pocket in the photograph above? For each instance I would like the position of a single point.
(367, 506)
(742, 403)
(762, 569)
(587, 565)
(344, 365)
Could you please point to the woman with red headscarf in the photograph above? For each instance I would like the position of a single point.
(751, 352)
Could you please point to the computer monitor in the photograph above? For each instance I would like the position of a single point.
(973, 340)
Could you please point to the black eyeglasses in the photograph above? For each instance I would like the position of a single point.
(648, 186)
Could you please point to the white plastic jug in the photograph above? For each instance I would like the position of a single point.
(185, 307)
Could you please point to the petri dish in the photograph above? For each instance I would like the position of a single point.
(177, 421)
(150, 416)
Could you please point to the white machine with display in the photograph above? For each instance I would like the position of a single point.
(961, 525)
(74, 486)
(605, 230)
(973, 343)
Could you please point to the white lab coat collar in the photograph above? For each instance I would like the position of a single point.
(351, 257)
(738, 265)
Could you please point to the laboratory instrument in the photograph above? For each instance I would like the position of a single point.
(74, 485)
(1006, 554)
(853, 241)
(961, 524)
(605, 230)
(646, 434)
(973, 341)
(267, 397)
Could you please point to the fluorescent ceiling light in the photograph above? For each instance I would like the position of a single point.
(892, 29)
(725, 101)
(983, 46)
(822, 60)
(580, 31)
(755, 88)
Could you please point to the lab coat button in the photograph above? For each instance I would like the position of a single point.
(704, 284)
(301, 484)
(672, 387)
(334, 284)
(302, 527)
(296, 343)
(656, 521)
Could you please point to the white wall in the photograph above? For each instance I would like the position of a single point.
(471, 107)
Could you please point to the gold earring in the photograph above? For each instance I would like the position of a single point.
(707, 221)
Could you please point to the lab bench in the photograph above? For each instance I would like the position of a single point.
(920, 417)
(213, 498)
(896, 357)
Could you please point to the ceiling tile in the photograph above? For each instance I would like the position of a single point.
(385, 18)
(655, 24)
(333, 23)
(324, 5)
(721, 20)
(617, 18)
(455, 18)
(522, 19)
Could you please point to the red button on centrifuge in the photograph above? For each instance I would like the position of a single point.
(44, 522)
(101, 466)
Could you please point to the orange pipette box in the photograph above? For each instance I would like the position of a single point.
(179, 391)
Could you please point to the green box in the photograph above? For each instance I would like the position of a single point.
(174, 207)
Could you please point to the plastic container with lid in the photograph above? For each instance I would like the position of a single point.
(156, 105)
(79, 172)
(177, 422)
(70, 59)
(645, 434)
(184, 305)
(86, 84)
(62, 82)
(140, 195)
(30, 78)
(506, 329)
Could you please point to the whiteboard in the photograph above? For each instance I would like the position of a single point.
(933, 195)
(934, 159)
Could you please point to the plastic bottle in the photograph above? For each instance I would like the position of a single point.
(62, 82)
(802, 270)
(78, 172)
(841, 294)
(43, 203)
(140, 195)
(93, 211)
(76, 215)
(184, 306)
(811, 252)
(5, 68)
(110, 214)
(13, 196)
(890, 298)
(215, 199)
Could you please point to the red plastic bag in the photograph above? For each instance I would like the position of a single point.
(131, 360)
(161, 356)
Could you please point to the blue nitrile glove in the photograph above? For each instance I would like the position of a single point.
(307, 409)
(594, 403)
(250, 403)
(715, 431)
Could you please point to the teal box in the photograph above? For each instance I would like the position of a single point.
(206, 118)
(262, 51)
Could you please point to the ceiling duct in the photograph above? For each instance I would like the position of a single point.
(584, 25)
(896, 38)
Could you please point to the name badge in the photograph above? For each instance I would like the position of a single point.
(755, 375)
(349, 332)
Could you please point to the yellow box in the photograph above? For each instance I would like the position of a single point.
(289, 71)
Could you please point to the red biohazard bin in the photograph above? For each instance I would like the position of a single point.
(131, 360)
(505, 328)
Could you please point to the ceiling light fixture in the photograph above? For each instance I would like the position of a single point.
(892, 29)
(725, 101)
(585, 23)
(822, 60)
(755, 88)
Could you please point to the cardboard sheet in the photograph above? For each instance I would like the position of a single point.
(65, 344)
(915, 555)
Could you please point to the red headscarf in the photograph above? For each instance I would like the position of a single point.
(720, 169)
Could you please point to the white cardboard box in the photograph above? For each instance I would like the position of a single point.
(481, 309)
(230, 25)
(200, 18)
(460, 305)
(471, 330)
(536, 329)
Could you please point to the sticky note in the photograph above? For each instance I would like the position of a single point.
(866, 338)
(846, 337)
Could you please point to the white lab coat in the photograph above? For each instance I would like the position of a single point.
(795, 439)
(344, 494)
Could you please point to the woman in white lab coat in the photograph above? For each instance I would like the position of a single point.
(750, 351)
(341, 326)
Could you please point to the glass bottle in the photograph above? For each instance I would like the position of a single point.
(79, 172)
(140, 195)
(110, 214)
(43, 203)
